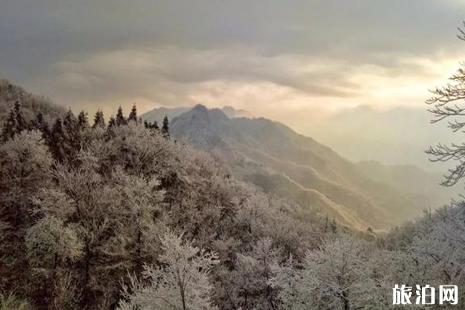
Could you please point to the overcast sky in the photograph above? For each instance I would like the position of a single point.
(288, 60)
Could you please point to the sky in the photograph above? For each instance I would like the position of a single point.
(304, 63)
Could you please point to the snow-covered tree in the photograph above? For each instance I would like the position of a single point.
(51, 241)
(24, 169)
(181, 281)
(336, 277)
(252, 288)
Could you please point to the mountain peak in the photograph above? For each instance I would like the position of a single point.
(200, 108)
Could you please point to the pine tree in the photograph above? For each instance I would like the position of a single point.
(72, 136)
(14, 124)
(57, 139)
(99, 120)
(150, 125)
(70, 122)
(133, 114)
(83, 121)
(112, 122)
(20, 121)
(41, 125)
(120, 119)
(10, 127)
(165, 127)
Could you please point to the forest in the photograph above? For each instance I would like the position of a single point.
(116, 214)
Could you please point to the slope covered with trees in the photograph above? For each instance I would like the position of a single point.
(284, 163)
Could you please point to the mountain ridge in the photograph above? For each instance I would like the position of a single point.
(281, 161)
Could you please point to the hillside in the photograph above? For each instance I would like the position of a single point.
(31, 104)
(287, 164)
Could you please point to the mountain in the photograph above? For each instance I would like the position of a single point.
(31, 104)
(158, 114)
(284, 163)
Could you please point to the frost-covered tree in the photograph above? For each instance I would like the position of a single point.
(51, 247)
(336, 276)
(140, 204)
(24, 169)
(112, 216)
(252, 288)
(50, 241)
(181, 281)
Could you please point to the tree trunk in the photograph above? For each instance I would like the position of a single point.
(345, 300)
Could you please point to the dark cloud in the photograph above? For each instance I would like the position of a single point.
(106, 48)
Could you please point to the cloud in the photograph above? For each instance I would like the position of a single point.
(277, 57)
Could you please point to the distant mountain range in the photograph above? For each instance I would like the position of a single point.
(289, 165)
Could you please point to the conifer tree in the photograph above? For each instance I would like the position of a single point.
(99, 120)
(111, 122)
(72, 135)
(20, 121)
(150, 125)
(133, 114)
(165, 127)
(10, 127)
(120, 119)
(70, 122)
(83, 121)
(57, 139)
(14, 124)
(40, 124)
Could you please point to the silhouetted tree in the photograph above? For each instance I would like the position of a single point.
(57, 140)
(120, 119)
(99, 120)
(133, 114)
(165, 129)
(40, 124)
(150, 125)
(83, 121)
(111, 122)
(72, 136)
